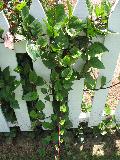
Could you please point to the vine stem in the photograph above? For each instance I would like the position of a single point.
(59, 142)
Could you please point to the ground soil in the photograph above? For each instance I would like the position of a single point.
(26, 147)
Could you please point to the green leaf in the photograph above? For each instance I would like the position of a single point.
(62, 41)
(25, 12)
(66, 60)
(49, 63)
(103, 81)
(26, 24)
(46, 140)
(90, 82)
(42, 152)
(107, 110)
(33, 77)
(69, 8)
(54, 75)
(53, 117)
(67, 73)
(1, 5)
(75, 52)
(63, 108)
(58, 86)
(14, 104)
(55, 137)
(40, 105)
(67, 84)
(33, 114)
(56, 14)
(20, 6)
(6, 74)
(59, 12)
(1, 32)
(75, 26)
(47, 98)
(26, 69)
(62, 122)
(41, 115)
(47, 125)
(96, 63)
(42, 41)
(44, 90)
(31, 96)
(1, 83)
(36, 28)
(71, 32)
(59, 97)
(96, 48)
(62, 132)
(40, 81)
(33, 51)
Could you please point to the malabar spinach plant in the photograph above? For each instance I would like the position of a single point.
(60, 42)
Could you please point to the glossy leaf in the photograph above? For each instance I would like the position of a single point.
(31, 96)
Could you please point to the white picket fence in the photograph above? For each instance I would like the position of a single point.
(111, 41)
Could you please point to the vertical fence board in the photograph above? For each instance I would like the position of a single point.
(109, 60)
(75, 96)
(117, 113)
(37, 11)
(114, 22)
(75, 101)
(8, 58)
(44, 72)
(4, 23)
(112, 42)
(3, 123)
(81, 10)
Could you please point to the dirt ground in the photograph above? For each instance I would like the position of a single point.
(26, 147)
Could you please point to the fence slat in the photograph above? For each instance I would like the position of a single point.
(81, 10)
(4, 23)
(75, 101)
(37, 11)
(109, 60)
(8, 58)
(44, 72)
(75, 95)
(3, 123)
(114, 22)
(117, 113)
(112, 42)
